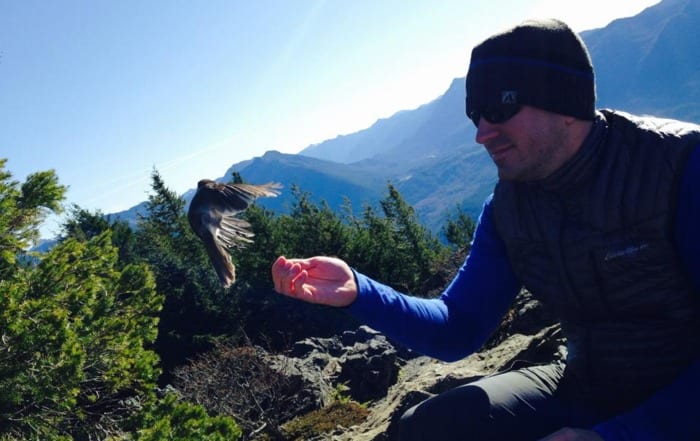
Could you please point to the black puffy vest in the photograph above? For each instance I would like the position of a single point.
(595, 243)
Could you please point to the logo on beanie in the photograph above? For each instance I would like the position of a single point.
(509, 97)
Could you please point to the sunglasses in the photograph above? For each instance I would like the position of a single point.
(495, 114)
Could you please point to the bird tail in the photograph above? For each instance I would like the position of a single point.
(221, 261)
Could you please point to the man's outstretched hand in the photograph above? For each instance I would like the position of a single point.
(323, 280)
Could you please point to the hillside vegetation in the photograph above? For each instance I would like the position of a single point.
(94, 330)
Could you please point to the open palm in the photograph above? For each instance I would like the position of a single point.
(323, 280)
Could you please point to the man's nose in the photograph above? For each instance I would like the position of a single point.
(485, 131)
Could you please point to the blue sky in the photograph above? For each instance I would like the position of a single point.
(105, 91)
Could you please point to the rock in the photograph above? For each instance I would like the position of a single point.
(363, 361)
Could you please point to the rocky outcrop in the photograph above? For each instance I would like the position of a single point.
(391, 379)
(363, 362)
(422, 377)
(263, 391)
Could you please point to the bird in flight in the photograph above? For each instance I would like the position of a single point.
(213, 217)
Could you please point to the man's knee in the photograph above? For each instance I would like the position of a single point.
(410, 426)
(442, 417)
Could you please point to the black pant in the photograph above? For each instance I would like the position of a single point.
(520, 405)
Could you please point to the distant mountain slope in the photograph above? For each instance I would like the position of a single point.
(650, 63)
(325, 180)
(366, 143)
(409, 135)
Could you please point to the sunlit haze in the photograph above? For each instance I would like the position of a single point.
(104, 92)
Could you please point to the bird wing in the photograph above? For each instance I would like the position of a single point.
(240, 196)
(233, 231)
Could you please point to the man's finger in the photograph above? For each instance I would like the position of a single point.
(297, 283)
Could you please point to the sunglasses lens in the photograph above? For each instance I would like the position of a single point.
(475, 116)
(495, 115)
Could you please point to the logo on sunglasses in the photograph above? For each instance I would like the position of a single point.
(509, 97)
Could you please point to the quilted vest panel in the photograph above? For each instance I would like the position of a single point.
(594, 242)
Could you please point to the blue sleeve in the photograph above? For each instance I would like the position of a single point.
(673, 413)
(458, 322)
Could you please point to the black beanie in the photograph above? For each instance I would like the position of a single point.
(541, 63)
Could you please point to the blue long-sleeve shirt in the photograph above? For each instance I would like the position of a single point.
(458, 322)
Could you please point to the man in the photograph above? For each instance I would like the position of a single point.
(596, 213)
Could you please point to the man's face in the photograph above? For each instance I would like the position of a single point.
(529, 146)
